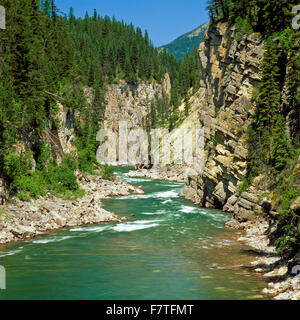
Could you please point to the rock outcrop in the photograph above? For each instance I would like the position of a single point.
(231, 71)
(3, 191)
(127, 102)
(231, 74)
(59, 134)
(129, 105)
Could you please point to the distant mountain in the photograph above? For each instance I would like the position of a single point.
(185, 43)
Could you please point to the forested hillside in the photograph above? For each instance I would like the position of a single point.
(48, 58)
(186, 43)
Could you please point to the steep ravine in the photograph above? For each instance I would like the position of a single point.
(222, 107)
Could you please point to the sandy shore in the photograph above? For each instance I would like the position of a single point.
(25, 220)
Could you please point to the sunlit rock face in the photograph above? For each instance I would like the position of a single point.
(231, 71)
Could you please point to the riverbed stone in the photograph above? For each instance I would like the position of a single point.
(27, 219)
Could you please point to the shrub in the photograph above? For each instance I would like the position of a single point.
(15, 165)
(86, 160)
(107, 172)
(34, 184)
(4, 214)
(65, 178)
(48, 177)
(285, 38)
(243, 27)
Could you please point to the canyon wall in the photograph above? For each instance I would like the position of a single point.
(127, 102)
(131, 104)
(231, 71)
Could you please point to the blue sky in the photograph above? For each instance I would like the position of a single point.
(165, 20)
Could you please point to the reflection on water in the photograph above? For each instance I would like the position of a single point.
(170, 249)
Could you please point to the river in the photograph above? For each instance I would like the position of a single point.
(169, 249)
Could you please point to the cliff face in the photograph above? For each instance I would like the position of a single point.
(231, 71)
(131, 103)
(126, 102)
(60, 135)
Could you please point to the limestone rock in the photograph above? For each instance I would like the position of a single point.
(233, 224)
(3, 191)
(230, 72)
(166, 84)
(189, 193)
(60, 221)
(23, 231)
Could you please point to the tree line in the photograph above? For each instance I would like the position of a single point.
(47, 56)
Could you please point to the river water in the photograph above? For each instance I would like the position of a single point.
(170, 249)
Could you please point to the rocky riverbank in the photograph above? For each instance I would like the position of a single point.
(25, 220)
(281, 284)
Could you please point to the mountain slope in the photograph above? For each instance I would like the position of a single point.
(185, 43)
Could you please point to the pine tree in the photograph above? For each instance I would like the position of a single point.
(293, 84)
(280, 145)
(269, 89)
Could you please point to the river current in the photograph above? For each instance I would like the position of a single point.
(169, 249)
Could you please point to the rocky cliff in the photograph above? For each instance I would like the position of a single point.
(131, 103)
(126, 102)
(223, 107)
(59, 135)
(231, 71)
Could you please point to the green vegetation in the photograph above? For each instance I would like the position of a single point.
(186, 43)
(287, 190)
(56, 179)
(4, 214)
(267, 17)
(164, 111)
(107, 172)
(47, 59)
(274, 151)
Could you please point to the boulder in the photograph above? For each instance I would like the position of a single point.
(229, 206)
(60, 221)
(233, 224)
(242, 214)
(188, 193)
(21, 231)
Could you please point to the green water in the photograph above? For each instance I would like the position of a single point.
(170, 249)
